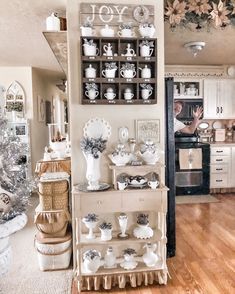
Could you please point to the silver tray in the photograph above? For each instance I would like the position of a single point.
(83, 187)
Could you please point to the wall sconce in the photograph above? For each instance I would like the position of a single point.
(194, 47)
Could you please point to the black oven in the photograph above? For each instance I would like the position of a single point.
(192, 166)
(189, 105)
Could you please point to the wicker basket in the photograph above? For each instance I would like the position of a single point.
(52, 223)
(53, 195)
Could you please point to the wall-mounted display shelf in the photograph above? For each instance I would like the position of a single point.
(118, 71)
(58, 44)
(188, 88)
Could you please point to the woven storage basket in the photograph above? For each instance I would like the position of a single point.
(51, 223)
(53, 195)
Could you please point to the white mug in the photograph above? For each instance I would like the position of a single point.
(92, 94)
(122, 186)
(145, 94)
(146, 51)
(109, 73)
(87, 31)
(128, 73)
(109, 95)
(128, 95)
(153, 184)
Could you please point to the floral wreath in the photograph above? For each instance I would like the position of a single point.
(200, 13)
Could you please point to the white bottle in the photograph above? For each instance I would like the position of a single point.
(110, 258)
(53, 22)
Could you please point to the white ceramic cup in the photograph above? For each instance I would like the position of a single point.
(122, 186)
(145, 94)
(153, 184)
(109, 73)
(109, 95)
(128, 96)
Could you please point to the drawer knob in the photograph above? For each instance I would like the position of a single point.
(219, 180)
(219, 151)
(99, 202)
(219, 169)
(219, 159)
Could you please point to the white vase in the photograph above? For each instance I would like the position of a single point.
(91, 226)
(122, 219)
(93, 171)
(106, 234)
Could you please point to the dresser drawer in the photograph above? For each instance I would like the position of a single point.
(220, 151)
(219, 181)
(220, 159)
(100, 203)
(138, 201)
(219, 169)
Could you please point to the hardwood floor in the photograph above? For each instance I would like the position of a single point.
(205, 255)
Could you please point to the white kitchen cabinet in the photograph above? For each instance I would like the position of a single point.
(220, 169)
(219, 102)
(233, 167)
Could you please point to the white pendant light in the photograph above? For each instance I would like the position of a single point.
(194, 47)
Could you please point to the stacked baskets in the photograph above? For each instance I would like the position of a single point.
(53, 240)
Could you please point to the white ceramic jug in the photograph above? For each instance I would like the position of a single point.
(90, 50)
(145, 94)
(53, 22)
(146, 51)
(108, 49)
(150, 258)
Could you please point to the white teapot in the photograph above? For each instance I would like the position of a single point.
(107, 31)
(150, 258)
(90, 72)
(145, 72)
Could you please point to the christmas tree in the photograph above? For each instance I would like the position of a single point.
(15, 184)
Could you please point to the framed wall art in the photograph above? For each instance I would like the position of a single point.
(147, 129)
(41, 109)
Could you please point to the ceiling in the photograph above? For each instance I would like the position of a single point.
(23, 44)
(21, 26)
(219, 49)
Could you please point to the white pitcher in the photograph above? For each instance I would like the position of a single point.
(90, 50)
(146, 51)
(109, 73)
(145, 94)
(53, 22)
(150, 258)
(108, 50)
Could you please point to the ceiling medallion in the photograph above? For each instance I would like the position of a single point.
(141, 14)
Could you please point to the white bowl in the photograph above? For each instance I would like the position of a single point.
(120, 159)
(150, 157)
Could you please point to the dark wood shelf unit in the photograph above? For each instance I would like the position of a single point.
(119, 83)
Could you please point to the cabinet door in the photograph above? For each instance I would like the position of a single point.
(211, 108)
(226, 99)
(232, 175)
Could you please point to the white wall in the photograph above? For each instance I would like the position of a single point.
(118, 115)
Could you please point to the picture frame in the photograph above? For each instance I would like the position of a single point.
(20, 130)
(147, 129)
(41, 109)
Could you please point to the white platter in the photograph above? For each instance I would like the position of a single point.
(97, 128)
(217, 125)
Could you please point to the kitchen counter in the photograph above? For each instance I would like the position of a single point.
(222, 143)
